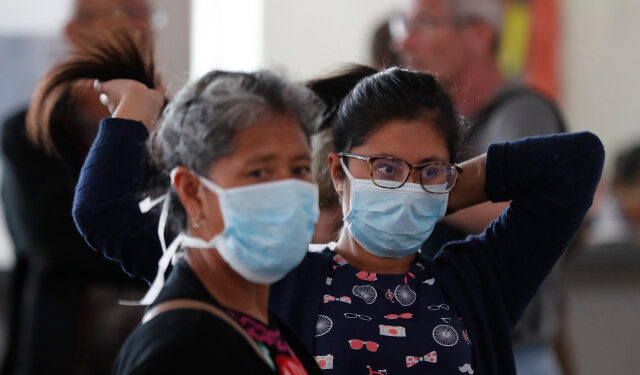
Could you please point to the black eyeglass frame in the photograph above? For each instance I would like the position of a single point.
(372, 159)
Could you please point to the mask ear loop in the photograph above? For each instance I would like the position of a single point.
(181, 240)
(158, 282)
(167, 253)
(147, 204)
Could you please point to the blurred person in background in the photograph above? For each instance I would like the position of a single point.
(617, 217)
(626, 188)
(383, 54)
(458, 41)
(64, 317)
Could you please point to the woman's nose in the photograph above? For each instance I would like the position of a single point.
(414, 176)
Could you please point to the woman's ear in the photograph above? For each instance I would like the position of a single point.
(337, 174)
(186, 185)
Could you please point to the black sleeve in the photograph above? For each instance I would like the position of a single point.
(105, 208)
(551, 181)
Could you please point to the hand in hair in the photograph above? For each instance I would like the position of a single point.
(133, 100)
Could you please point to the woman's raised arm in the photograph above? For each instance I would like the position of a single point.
(550, 181)
(105, 207)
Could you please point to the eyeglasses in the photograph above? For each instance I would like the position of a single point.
(358, 344)
(359, 316)
(391, 173)
(443, 306)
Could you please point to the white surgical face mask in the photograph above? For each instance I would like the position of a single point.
(267, 230)
(392, 223)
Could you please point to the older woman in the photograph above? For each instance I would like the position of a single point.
(233, 150)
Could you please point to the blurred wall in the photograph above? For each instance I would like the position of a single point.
(173, 34)
(601, 77)
(310, 38)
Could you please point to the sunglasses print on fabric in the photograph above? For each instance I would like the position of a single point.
(401, 316)
(362, 275)
(359, 344)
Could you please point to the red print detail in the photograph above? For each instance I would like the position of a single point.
(431, 358)
(396, 316)
(388, 295)
(289, 365)
(379, 372)
(363, 275)
(358, 344)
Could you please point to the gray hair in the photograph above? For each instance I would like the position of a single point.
(491, 11)
(197, 128)
(321, 146)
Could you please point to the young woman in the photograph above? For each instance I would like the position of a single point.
(234, 152)
(371, 302)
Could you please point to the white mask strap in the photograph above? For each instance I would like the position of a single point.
(147, 204)
(182, 239)
(205, 181)
(158, 282)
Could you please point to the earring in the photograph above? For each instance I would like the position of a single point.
(195, 222)
(339, 189)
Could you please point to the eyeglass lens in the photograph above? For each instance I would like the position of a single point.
(391, 173)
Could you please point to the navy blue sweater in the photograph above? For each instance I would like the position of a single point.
(489, 277)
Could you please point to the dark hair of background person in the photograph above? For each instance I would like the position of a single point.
(395, 94)
(627, 168)
(103, 56)
(382, 53)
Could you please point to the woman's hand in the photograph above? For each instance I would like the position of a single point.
(131, 100)
(469, 189)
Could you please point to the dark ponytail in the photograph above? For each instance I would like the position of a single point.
(335, 87)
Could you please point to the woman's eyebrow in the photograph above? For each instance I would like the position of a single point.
(432, 159)
(266, 158)
(421, 161)
(263, 158)
(301, 157)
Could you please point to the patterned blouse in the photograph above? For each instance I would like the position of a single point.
(274, 348)
(388, 324)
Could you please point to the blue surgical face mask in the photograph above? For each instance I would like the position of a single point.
(267, 227)
(391, 223)
(267, 230)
